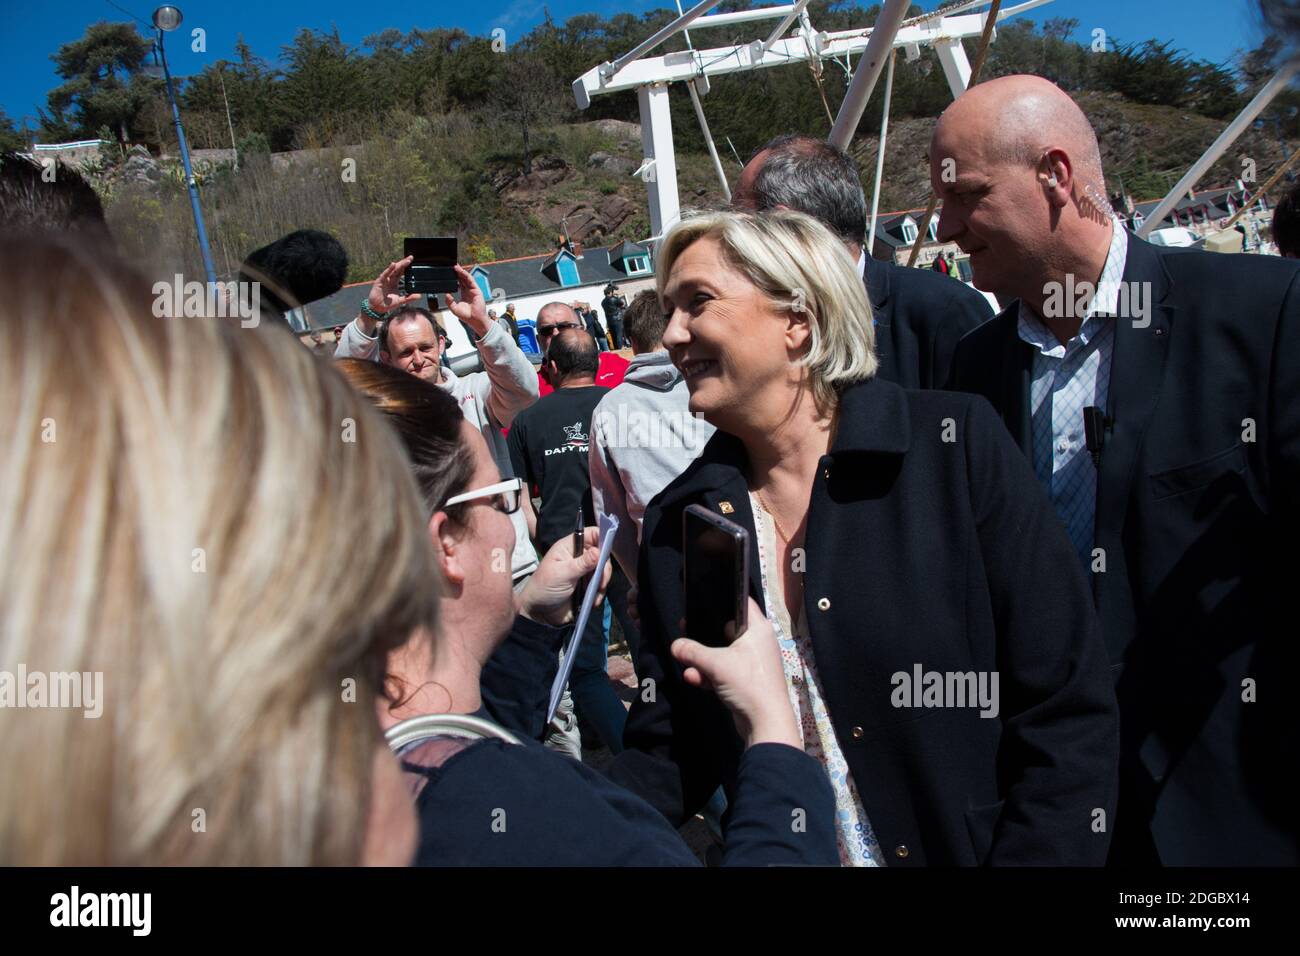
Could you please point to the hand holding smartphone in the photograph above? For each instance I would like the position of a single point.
(431, 269)
(716, 567)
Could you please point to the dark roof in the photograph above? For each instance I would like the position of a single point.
(625, 249)
(553, 258)
(1211, 202)
(889, 228)
(1145, 209)
(523, 277)
(515, 278)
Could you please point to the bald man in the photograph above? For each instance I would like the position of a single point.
(554, 318)
(1155, 391)
(919, 315)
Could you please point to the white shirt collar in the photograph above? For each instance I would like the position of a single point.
(1112, 272)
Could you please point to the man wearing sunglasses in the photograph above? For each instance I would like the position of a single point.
(392, 329)
(556, 317)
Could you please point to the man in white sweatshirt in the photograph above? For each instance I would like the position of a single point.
(411, 339)
(643, 434)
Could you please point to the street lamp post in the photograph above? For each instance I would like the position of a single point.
(166, 19)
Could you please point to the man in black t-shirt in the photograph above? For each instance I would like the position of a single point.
(548, 441)
(548, 449)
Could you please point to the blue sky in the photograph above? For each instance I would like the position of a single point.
(1209, 29)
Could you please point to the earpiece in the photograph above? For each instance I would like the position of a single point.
(1051, 181)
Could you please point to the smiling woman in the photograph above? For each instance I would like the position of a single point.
(752, 317)
(889, 530)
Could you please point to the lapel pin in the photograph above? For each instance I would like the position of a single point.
(726, 508)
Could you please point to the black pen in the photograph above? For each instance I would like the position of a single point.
(577, 553)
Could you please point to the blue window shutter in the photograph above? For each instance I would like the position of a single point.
(568, 271)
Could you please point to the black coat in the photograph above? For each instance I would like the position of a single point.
(1197, 518)
(920, 317)
(941, 553)
(496, 804)
(593, 325)
(613, 306)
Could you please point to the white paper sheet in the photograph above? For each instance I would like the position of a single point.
(608, 526)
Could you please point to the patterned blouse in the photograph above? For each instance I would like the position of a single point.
(857, 841)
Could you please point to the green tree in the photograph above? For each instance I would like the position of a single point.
(525, 99)
(102, 85)
(1149, 72)
(324, 82)
(385, 69)
(1214, 91)
(10, 138)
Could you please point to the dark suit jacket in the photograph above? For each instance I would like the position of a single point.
(920, 316)
(1197, 504)
(926, 551)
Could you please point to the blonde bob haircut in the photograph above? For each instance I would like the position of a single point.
(800, 266)
(209, 517)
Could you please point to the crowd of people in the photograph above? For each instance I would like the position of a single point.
(282, 562)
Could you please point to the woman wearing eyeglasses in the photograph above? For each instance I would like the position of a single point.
(490, 802)
(470, 525)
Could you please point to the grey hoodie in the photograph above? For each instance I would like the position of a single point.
(643, 435)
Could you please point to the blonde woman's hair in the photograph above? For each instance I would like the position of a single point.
(798, 264)
(208, 515)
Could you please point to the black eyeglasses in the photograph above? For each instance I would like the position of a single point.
(546, 331)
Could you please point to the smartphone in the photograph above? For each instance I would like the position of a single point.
(716, 557)
(431, 269)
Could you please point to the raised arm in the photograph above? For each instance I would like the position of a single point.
(511, 376)
(360, 339)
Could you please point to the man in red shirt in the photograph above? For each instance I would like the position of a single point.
(556, 317)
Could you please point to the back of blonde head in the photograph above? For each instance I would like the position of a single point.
(179, 511)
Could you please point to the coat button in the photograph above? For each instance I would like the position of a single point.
(823, 604)
(857, 733)
(901, 852)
